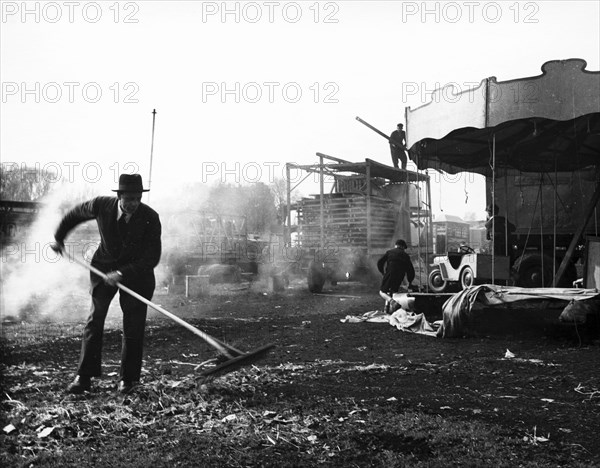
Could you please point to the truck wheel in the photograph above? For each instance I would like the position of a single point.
(467, 277)
(436, 282)
(316, 277)
(530, 271)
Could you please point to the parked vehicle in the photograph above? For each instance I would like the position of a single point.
(464, 268)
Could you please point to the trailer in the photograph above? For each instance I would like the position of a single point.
(340, 234)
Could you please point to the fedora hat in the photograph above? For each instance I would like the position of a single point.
(130, 183)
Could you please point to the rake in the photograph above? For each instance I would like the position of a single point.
(234, 358)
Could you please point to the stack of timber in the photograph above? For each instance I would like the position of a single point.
(345, 219)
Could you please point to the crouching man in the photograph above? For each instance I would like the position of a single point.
(129, 250)
(394, 266)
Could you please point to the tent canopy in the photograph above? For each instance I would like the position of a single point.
(546, 123)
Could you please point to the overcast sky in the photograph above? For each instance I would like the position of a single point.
(240, 88)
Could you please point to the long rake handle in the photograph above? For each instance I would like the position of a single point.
(205, 336)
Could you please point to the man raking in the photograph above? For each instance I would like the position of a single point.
(129, 250)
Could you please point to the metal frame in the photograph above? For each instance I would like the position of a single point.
(370, 169)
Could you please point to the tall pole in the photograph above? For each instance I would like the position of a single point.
(493, 208)
(429, 223)
(369, 208)
(322, 206)
(288, 234)
(418, 187)
(151, 152)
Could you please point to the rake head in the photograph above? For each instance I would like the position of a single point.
(237, 362)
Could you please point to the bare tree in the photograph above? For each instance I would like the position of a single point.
(255, 202)
(470, 216)
(260, 206)
(279, 190)
(24, 183)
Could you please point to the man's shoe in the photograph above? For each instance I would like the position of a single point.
(79, 385)
(126, 386)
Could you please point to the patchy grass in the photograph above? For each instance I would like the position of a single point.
(331, 394)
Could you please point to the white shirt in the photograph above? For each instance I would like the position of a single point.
(120, 213)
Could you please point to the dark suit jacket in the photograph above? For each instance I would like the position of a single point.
(136, 255)
(397, 140)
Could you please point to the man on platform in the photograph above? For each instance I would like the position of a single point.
(398, 147)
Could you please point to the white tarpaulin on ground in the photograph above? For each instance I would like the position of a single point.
(401, 319)
(456, 309)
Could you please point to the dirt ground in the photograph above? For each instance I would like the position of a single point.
(329, 393)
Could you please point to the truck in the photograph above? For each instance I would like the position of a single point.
(551, 211)
(552, 215)
(340, 235)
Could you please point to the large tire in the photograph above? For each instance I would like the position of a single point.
(316, 277)
(467, 277)
(437, 283)
(530, 272)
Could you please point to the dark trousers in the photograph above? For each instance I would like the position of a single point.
(399, 156)
(134, 322)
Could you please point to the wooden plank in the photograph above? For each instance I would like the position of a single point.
(350, 223)
(321, 155)
(353, 200)
(377, 211)
(350, 232)
(357, 200)
(385, 220)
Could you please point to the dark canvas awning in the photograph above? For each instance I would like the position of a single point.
(546, 123)
(527, 145)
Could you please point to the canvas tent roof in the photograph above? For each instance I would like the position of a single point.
(535, 124)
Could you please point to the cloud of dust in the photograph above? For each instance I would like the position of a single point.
(207, 224)
(38, 284)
